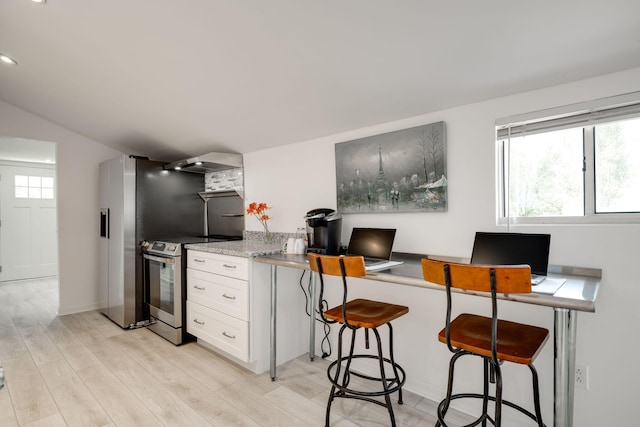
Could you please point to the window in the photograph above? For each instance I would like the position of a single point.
(33, 187)
(578, 164)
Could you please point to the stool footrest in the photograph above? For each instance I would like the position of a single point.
(393, 384)
(483, 416)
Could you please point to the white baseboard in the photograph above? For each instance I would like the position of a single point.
(63, 311)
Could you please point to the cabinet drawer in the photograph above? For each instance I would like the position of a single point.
(224, 332)
(225, 294)
(232, 266)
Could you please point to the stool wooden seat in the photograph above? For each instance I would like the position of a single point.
(518, 343)
(492, 339)
(354, 315)
(364, 313)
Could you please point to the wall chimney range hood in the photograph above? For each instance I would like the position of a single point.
(210, 162)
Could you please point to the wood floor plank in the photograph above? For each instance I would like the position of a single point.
(297, 405)
(159, 399)
(123, 407)
(12, 347)
(54, 420)
(40, 346)
(242, 396)
(7, 414)
(107, 352)
(61, 335)
(218, 412)
(31, 400)
(76, 403)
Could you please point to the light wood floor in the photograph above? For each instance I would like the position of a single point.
(83, 370)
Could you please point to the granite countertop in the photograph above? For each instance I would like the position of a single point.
(241, 248)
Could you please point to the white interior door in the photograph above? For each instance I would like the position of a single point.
(28, 227)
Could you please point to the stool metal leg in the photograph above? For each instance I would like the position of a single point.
(536, 395)
(347, 370)
(498, 415)
(383, 378)
(485, 393)
(336, 378)
(393, 363)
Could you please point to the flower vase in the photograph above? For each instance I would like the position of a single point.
(268, 237)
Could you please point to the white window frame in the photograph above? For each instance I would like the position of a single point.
(585, 114)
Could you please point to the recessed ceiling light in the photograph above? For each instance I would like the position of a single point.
(198, 163)
(7, 60)
(177, 168)
(39, 1)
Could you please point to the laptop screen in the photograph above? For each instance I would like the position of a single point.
(372, 242)
(512, 249)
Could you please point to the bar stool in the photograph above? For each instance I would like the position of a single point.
(494, 340)
(354, 315)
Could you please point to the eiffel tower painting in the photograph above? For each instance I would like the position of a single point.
(399, 171)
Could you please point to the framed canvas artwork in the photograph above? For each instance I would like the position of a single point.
(400, 171)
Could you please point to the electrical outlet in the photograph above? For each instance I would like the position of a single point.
(582, 377)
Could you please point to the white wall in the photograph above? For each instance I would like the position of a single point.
(77, 169)
(299, 177)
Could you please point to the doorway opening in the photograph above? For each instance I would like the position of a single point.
(28, 211)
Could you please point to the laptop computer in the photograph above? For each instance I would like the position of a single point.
(375, 245)
(513, 249)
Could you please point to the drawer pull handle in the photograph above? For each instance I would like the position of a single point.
(229, 296)
(229, 266)
(233, 337)
(198, 260)
(198, 322)
(199, 288)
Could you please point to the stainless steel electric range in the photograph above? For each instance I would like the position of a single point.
(165, 288)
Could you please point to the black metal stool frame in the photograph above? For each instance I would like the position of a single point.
(492, 370)
(340, 389)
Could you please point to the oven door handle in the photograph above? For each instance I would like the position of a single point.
(159, 259)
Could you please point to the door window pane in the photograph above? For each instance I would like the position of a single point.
(47, 182)
(22, 181)
(34, 181)
(35, 192)
(22, 192)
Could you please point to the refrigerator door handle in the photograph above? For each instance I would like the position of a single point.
(104, 222)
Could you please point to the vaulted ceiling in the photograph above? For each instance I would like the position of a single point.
(168, 78)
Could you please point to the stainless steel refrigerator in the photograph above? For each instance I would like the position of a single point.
(139, 200)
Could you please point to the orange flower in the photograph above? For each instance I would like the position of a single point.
(258, 210)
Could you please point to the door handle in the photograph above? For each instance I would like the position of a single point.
(199, 288)
(233, 337)
(198, 322)
(229, 296)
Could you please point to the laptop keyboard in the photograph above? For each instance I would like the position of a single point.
(370, 262)
(536, 279)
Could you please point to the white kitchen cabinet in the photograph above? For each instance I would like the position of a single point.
(218, 302)
(228, 300)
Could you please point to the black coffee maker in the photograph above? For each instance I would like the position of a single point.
(323, 231)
